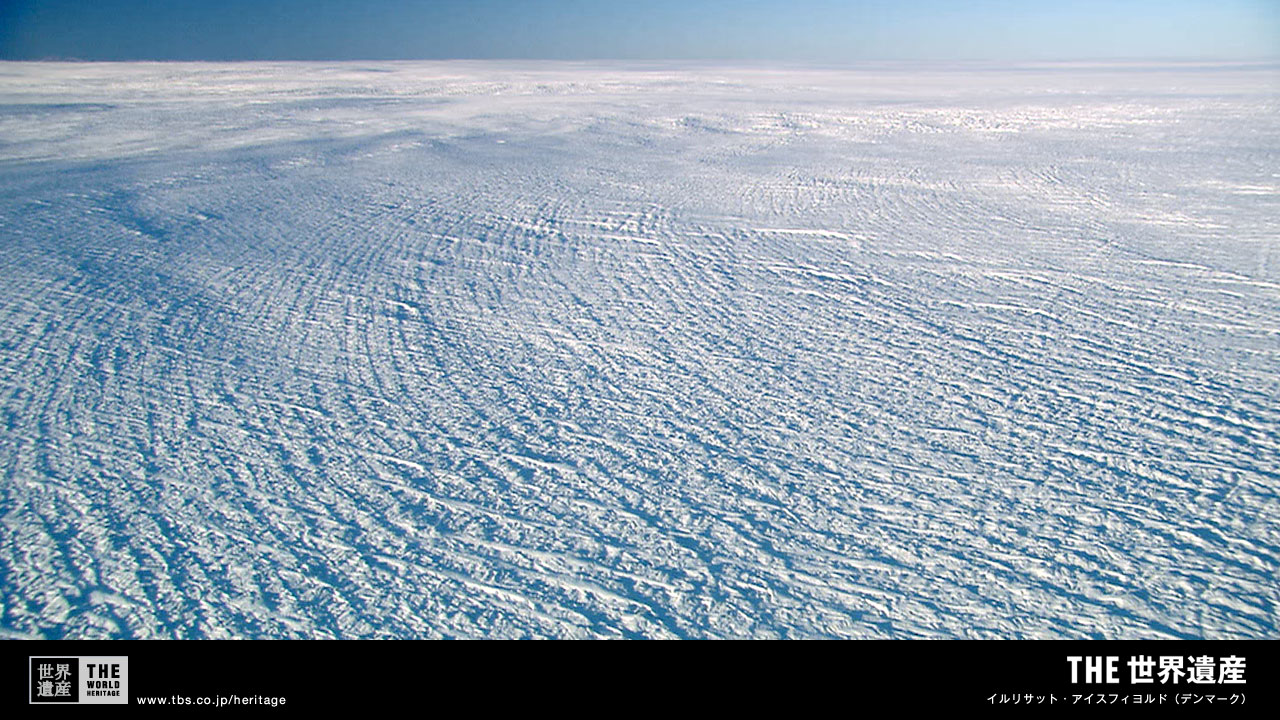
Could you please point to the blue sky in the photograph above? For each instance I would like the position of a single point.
(814, 30)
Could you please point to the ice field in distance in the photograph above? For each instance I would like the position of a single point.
(497, 349)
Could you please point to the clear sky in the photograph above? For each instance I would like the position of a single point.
(815, 30)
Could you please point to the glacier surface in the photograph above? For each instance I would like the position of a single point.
(464, 349)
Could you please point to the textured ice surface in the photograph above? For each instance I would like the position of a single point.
(468, 349)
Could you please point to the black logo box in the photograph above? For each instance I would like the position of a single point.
(55, 680)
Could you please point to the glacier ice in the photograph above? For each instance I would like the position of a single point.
(639, 350)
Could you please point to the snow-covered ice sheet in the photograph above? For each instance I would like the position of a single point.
(501, 349)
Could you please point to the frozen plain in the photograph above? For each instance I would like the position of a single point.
(555, 350)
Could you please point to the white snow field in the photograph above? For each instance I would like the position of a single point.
(639, 350)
